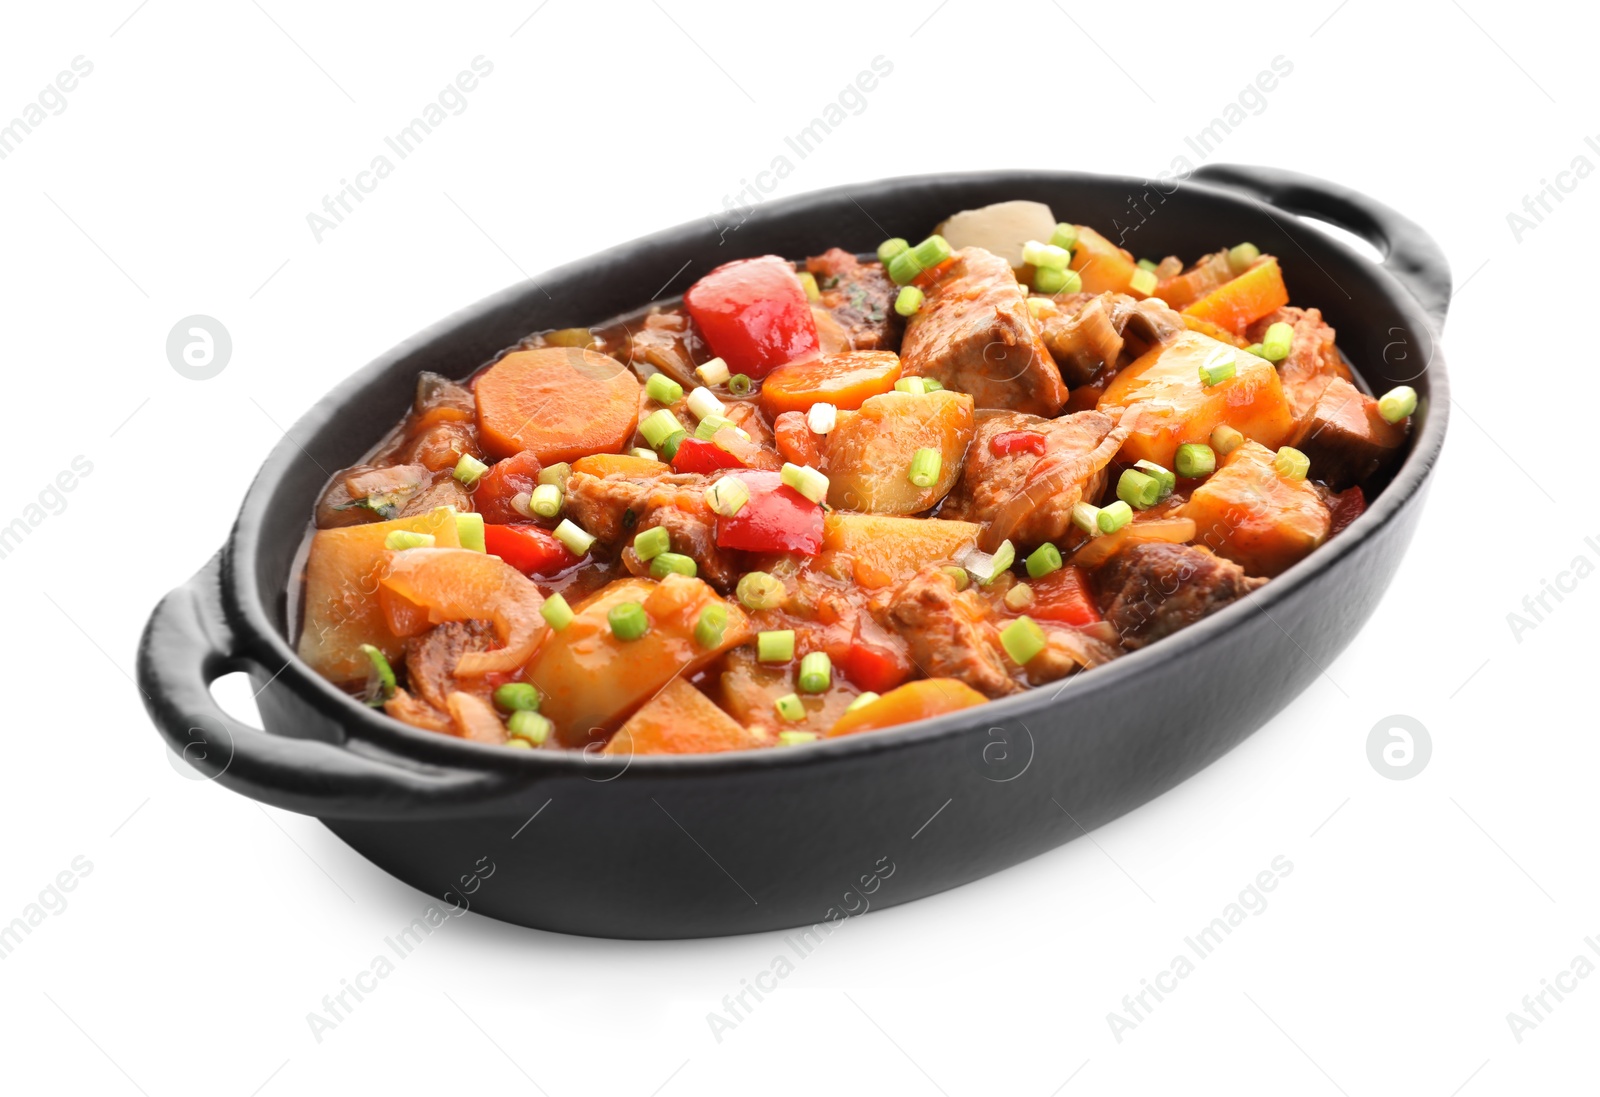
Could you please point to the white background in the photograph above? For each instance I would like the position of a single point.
(177, 181)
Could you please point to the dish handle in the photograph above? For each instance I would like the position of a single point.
(1410, 255)
(188, 644)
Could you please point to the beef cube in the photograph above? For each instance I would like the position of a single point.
(1150, 591)
(860, 297)
(974, 334)
(1345, 437)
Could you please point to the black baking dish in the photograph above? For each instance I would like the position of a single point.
(734, 843)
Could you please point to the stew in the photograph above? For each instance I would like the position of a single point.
(818, 499)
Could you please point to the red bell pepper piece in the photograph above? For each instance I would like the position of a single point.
(1017, 441)
(776, 519)
(504, 481)
(755, 315)
(873, 661)
(698, 455)
(1348, 505)
(1064, 596)
(529, 549)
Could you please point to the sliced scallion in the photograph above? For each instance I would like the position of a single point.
(669, 445)
(739, 384)
(924, 472)
(1023, 639)
(658, 425)
(574, 536)
(545, 501)
(714, 372)
(1143, 282)
(704, 402)
(1195, 459)
(707, 430)
(1225, 439)
(469, 530)
(713, 623)
(806, 480)
(906, 266)
(644, 454)
(1291, 464)
(628, 620)
(1086, 516)
(892, 247)
(758, 590)
(958, 576)
(1001, 561)
(1147, 264)
(1041, 255)
(1114, 516)
(1240, 256)
(727, 496)
(1138, 490)
(529, 727)
(1276, 343)
(913, 385)
(816, 672)
(908, 301)
(1019, 597)
(1256, 349)
(652, 542)
(861, 701)
(1065, 236)
(663, 389)
(790, 707)
(398, 540)
(555, 474)
(1053, 280)
(1397, 404)
(382, 673)
(1160, 474)
(556, 613)
(517, 697)
(1043, 560)
(796, 738)
(808, 282)
(775, 645)
(468, 470)
(672, 563)
(1218, 368)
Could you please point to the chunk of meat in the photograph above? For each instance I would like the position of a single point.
(1086, 333)
(1345, 437)
(617, 508)
(419, 714)
(860, 298)
(446, 491)
(1150, 591)
(1028, 497)
(974, 334)
(370, 493)
(431, 659)
(1067, 651)
(1313, 360)
(948, 632)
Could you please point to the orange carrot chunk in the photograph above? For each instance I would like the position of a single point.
(843, 380)
(560, 403)
(913, 701)
(1239, 303)
(680, 720)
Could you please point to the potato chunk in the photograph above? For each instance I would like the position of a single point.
(1256, 518)
(881, 549)
(1169, 404)
(869, 452)
(680, 720)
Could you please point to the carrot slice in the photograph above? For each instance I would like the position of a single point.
(1239, 303)
(559, 402)
(843, 380)
(619, 464)
(913, 701)
(1102, 265)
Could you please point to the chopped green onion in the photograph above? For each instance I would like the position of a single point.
(713, 372)
(1037, 307)
(1291, 463)
(398, 540)
(669, 445)
(958, 575)
(382, 671)
(861, 701)
(1218, 368)
(652, 542)
(806, 480)
(1256, 349)
(816, 672)
(1043, 560)
(469, 469)
(707, 430)
(924, 471)
(1001, 561)
(1086, 516)
(1161, 476)
(808, 282)
(1114, 516)
(517, 697)
(555, 474)
(775, 645)
(906, 266)
(1241, 256)
(1052, 280)
(892, 247)
(709, 629)
(546, 501)
(556, 613)
(1041, 255)
(645, 454)
(1020, 596)
(908, 300)
(1275, 345)
(517, 744)
(932, 384)
(739, 384)
(672, 563)
(797, 738)
(1225, 439)
(574, 536)
(469, 531)
(658, 425)
(628, 620)
(704, 402)
(529, 727)
(727, 496)
(916, 386)
(1147, 264)
(1397, 404)
(1138, 490)
(663, 389)
(1065, 236)
(1195, 459)
(758, 590)
(1143, 281)
(822, 417)
(1023, 639)
(790, 707)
